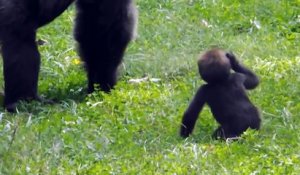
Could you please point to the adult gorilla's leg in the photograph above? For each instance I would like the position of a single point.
(50, 9)
(21, 67)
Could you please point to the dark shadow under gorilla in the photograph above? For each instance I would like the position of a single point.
(103, 30)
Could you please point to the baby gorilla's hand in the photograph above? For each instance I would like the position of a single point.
(233, 61)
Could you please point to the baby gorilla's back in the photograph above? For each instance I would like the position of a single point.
(231, 107)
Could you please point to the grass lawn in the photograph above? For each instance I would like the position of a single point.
(134, 130)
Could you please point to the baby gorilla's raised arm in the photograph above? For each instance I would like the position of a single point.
(191, 114)
(251, 80)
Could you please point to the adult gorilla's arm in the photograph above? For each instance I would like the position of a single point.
(19, 20)
(50, 9)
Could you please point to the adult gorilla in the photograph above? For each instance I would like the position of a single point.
(103, 30)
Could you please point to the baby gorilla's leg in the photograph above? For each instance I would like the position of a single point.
(224, 132)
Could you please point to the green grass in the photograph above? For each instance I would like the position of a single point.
(134, 130)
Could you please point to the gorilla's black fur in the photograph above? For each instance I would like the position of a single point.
(103, 38)
(225, 94)
(103, 30)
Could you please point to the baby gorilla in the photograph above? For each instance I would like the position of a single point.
(225, 93)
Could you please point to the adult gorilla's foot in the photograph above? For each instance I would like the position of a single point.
(12, 107)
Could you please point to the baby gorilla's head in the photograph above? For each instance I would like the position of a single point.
(214, 66)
